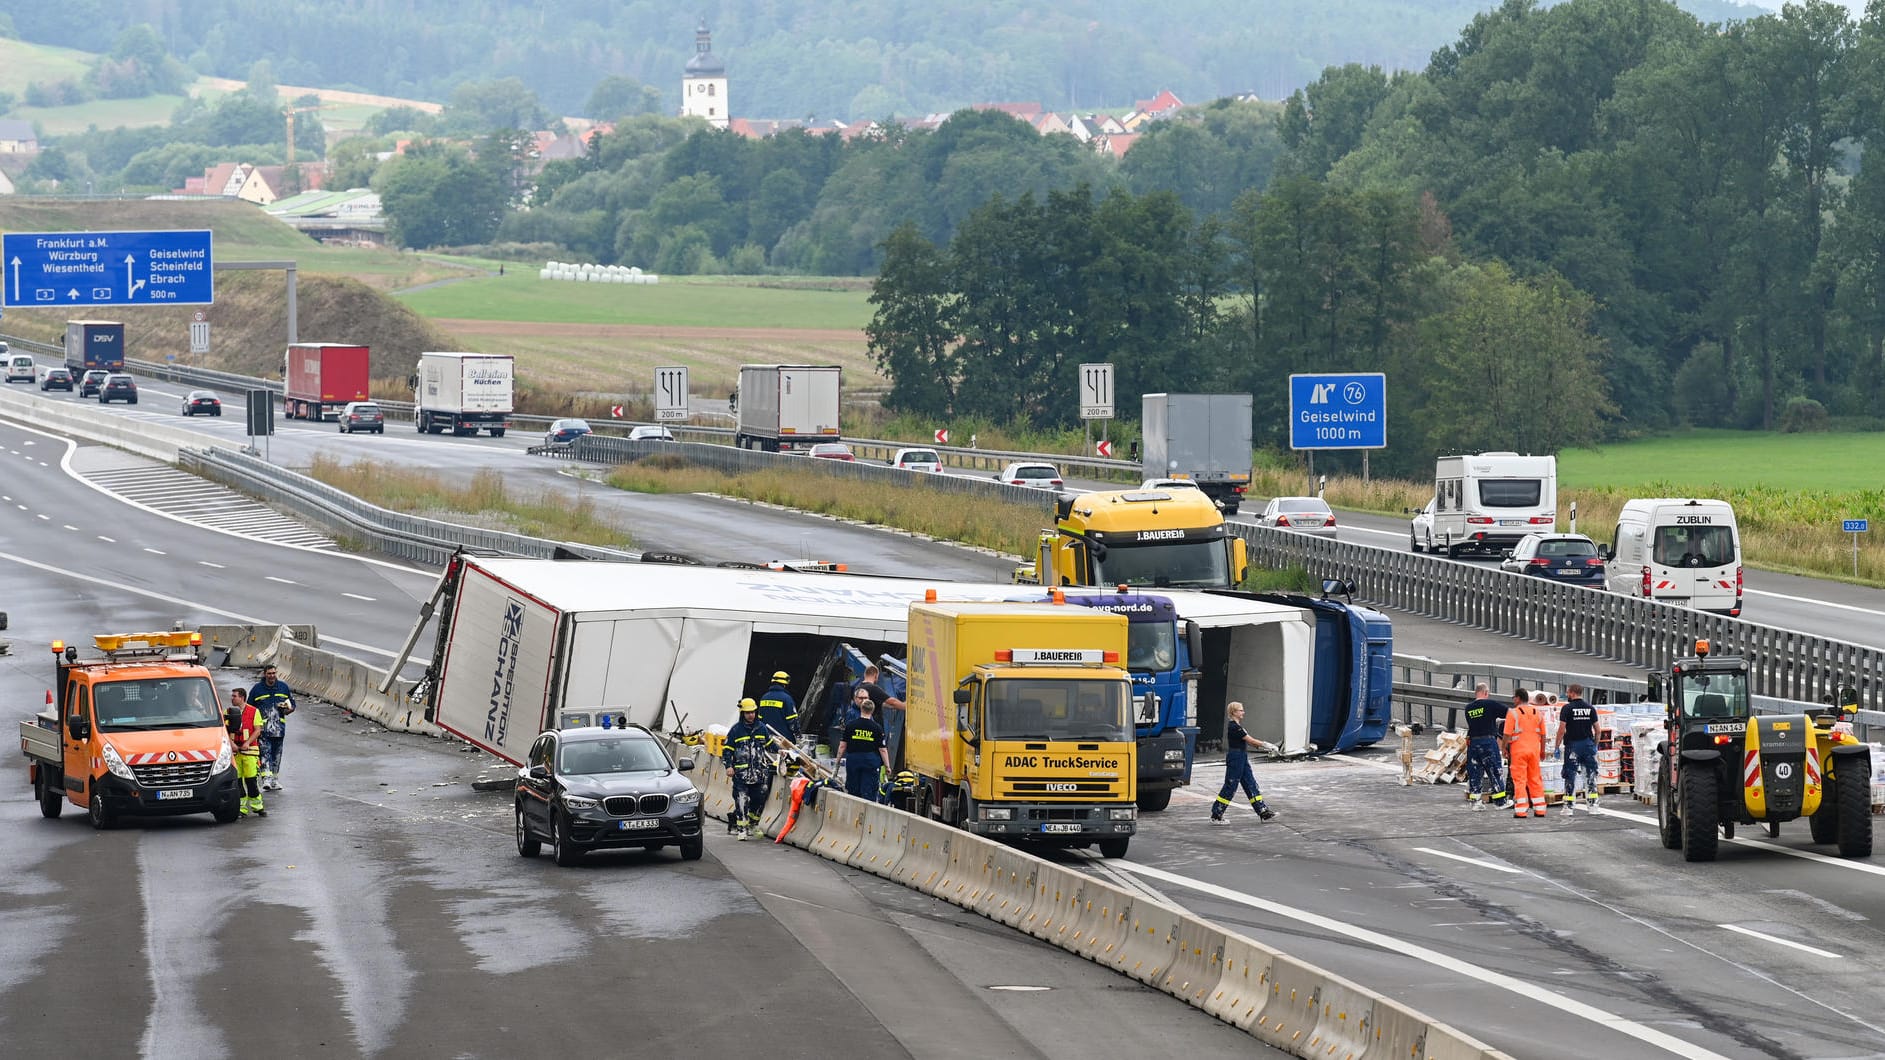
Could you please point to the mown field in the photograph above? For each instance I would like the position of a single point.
(520, 296)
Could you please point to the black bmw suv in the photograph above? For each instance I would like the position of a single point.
(596, 788)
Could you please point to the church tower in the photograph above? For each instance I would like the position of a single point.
(704, 85)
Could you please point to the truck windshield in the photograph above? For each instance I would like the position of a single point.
(155, 703)
(1165, 564)
(1152, 646)
(1694, 546)
(1723, 695)
(1040, 708)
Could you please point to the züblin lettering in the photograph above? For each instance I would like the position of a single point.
(1683, 520)
(1058, 762)
(497, 721)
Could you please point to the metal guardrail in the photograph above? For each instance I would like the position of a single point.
(396, 533)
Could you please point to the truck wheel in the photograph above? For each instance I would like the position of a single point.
(497, 432)
(51, 797)
(566, 852)
(102, 817)
(527, 845)
(692, 848)
(1230, 507)
(1772, 828)
(1701, 813)
(1154, 801)
(1114, 848)
(1854, 797)
(1666, 821)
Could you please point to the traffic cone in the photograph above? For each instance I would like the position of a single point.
(49, 709)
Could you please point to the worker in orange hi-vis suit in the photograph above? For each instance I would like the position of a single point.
(1525, 735)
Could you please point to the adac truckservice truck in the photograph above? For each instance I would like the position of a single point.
(91, 344)
(786, 407)
(319, 378)
(1202, 438)
(1017, 722)
(463, 393)
(135, 733)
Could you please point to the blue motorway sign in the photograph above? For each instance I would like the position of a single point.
(1857, 526)
(1338, 411)
(57, 269)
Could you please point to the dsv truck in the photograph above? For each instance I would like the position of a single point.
(94, 344)
(1016, 722)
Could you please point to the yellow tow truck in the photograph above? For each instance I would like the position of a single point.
(1156, 538)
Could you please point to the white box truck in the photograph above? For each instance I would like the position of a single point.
(1487, 503)
(1202, 438)
(784, 407)
(1679, 550)
(463, 393)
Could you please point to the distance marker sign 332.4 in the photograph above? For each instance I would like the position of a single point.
(64, 269)
(1338, 411)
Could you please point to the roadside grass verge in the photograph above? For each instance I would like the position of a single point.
(1287, 580)
(546, 514)
(1010, 528)
(519, 295)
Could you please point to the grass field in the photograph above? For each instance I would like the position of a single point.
(21, 64)
(104, 113)
(1700, 459)
(624, 365)
(520, 296)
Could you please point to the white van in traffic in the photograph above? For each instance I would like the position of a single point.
(1487, 502)
(20, 367)
(1680, 551)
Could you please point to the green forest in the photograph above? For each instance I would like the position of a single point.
(857, 59)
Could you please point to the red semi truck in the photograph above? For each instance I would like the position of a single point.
(321, 377)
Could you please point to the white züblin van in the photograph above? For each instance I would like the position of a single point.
(1487, 502)
(1679, 551)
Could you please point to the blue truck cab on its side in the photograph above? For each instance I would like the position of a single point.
(1354, 672)
(1160, 649)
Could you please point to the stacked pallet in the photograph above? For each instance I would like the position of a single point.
(1445, 763)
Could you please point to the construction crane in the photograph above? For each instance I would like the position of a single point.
(290, 112)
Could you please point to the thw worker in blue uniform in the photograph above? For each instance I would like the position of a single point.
(1237, 771)
(778, 709)
(865, 752)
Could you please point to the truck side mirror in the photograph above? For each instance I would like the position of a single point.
(1605, 552)
(78, 726)
(1194, 639)
(1239, 560)
(962, 697)
(412, 382)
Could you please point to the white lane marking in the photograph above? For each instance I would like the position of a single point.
(65, 464)
(1814, 950)
(1471, 861)
(9, 500)
(108, 540)
(357, 596)
(44, 516)
(21, 507)
(1529, 991)
(1815, 603)
(156, 552)
(181, 602)
(1808, 855)
(284, 581)
(69, 526)
(207, 563)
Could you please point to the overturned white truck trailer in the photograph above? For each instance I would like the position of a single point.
(521, 641)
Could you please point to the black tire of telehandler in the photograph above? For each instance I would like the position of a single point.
(1667, 823)
(1701, 812)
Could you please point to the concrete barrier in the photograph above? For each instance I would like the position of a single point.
(1345, 1021)
(804, 834)
(1290, 1018)
(881, 844)
(1198, 962)
(1397, 1032)
(925, 857)
(1243, 991)
(965, 877)
(778, 805)
(1054, 888)
(1008, 882)
(158, 441)
(1151, 942)
(1100, 923)
(315, 672)
(843, 828)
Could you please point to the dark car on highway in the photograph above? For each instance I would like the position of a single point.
(563, 432)
(118, 387)
(91, 381)
(360, 416)
(597, 788)
(202, 402)
(57, 379)
(1561, 557)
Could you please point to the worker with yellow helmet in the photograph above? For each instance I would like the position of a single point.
(745, 758)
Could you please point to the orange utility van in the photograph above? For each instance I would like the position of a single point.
(138, 732)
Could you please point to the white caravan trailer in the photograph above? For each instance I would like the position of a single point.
(1487, 502)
